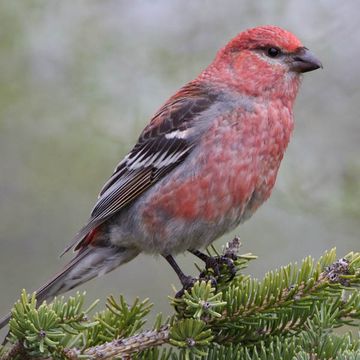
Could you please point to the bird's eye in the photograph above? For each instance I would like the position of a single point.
(273, 52)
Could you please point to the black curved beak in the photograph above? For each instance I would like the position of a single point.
(303, 60)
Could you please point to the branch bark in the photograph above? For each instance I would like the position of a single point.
(124, 347)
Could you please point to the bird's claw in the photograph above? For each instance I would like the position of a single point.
(213, 272)
(214, 263)
(187, 283)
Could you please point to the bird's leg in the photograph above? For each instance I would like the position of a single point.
(186, 281)
(200, 255)
(214, 262)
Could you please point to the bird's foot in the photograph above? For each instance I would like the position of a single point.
(216, 264)
(187, 283)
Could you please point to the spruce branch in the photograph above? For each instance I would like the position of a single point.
(292, 311)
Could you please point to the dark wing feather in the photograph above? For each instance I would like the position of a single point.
(163, 144)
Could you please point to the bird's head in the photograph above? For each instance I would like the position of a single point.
(264, 60)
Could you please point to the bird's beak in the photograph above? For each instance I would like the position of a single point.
(303, 60)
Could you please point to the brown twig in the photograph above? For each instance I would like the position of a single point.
(124, 347)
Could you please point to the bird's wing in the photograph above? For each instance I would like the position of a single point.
(163, 145)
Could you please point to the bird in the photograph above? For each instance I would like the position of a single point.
(206, 161)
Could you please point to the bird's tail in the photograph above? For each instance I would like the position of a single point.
(87, 264)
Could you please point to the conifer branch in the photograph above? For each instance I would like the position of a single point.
(292, 311)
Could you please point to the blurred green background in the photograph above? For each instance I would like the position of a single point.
(80, 79)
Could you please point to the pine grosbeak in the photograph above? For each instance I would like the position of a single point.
(207, 160)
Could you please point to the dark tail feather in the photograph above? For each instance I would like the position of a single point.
(87, 264)
(4, 321)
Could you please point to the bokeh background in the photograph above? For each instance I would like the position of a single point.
(80, 79)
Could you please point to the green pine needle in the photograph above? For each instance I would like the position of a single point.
(292, 313)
